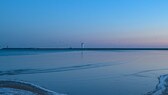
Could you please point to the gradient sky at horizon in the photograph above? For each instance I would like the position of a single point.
(97, 23)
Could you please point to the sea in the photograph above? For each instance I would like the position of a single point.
(89, 72)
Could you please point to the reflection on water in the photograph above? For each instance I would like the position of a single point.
(87, 73)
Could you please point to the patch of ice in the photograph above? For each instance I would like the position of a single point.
(23, 88)
(162, 86)
(12, 91)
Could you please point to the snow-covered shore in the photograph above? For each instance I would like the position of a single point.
(23, 88)
(162, 86)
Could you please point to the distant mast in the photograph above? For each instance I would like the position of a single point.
(82, 45)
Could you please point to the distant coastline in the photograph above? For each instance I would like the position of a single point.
(84, 48)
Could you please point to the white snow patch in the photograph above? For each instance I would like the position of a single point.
(23, 88)
(161, 86)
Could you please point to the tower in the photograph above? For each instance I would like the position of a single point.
(82, 45)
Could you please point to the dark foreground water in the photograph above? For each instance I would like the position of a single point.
(112, 72)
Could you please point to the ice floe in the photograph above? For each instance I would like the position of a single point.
(162, 86)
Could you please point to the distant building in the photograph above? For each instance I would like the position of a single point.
(82, 45)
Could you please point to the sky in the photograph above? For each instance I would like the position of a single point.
(97, 23)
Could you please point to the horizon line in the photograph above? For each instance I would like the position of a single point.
(84, 48)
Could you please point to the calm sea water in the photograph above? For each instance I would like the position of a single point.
(86, 72)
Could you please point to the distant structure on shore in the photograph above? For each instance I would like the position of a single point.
(82, 45)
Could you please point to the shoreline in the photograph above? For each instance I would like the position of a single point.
(25, 86)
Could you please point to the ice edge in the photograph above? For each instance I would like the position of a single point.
(26, 86)
(161, 87)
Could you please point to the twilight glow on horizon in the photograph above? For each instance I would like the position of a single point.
(97, 23)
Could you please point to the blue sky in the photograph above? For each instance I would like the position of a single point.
(98, 23)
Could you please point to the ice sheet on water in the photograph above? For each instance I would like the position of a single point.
(162, 86)
(12, 91)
